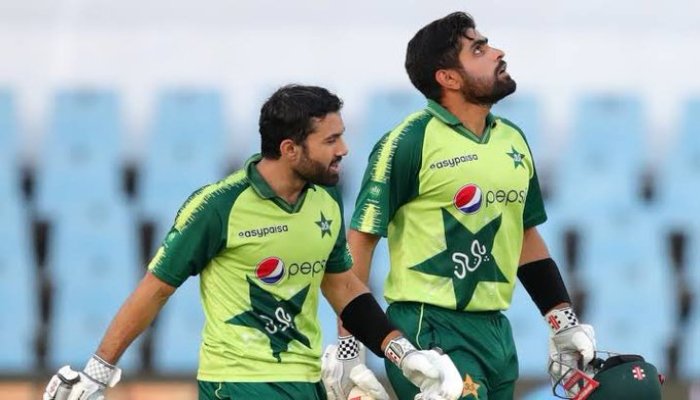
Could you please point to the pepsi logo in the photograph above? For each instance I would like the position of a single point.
(270, 270)
(468, 199)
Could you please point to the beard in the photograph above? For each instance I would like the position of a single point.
(316, 172)
(487, 91)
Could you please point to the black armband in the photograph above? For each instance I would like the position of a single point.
(367, 322)
(544, 284)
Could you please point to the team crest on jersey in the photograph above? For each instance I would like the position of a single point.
(468, 199)
(270, 270)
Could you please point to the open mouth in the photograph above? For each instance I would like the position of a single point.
(335, 166)
(502, 69)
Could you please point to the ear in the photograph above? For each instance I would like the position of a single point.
(448, 79)
(289, 150)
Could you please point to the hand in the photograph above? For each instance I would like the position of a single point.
(430, 370)
(570, 343)
(89, 384)
(342, 368)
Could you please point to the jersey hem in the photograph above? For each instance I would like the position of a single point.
(382, 233)
(262, 378)
(534, 221)
(167, 278)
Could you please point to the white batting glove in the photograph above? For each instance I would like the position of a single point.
(89, 384)
(572, 343)
(430, 370)
(342, 368)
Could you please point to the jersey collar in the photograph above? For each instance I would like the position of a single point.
(263, 189)
(450, 119)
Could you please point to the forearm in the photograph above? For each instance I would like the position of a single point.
(134, 316)
(540, 275)
(362, 247)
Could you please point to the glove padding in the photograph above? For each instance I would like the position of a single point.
(340, 376)
(579, 338)
(451, 384)
(89, 384)
(570, 342)
(430, 370)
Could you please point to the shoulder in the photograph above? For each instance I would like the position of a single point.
(213, 199)
(509, 125)
(331, 194)
(409, 133)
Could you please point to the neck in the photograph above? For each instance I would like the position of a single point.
(284, 182)
(472, 116)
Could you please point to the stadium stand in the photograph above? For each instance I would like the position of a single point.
(185, 152)
(631, 287)
(93, 257)
(602, 164)
(9, 143)
(93, 267)
(82, 149)
(18, 284)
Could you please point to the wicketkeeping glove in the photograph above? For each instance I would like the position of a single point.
(430, 370)
(343, 367)
(89, 384)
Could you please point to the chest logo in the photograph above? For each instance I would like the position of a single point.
(325, 225)
(468, 199)
(517, 157)
(270, 270)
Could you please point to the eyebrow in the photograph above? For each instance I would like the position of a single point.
(336, 134)
(478, 42)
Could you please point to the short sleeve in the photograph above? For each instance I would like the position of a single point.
(340, 259)
(194, 239)
(391, 177)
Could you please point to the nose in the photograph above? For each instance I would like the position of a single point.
(343, 148)
(499, 53)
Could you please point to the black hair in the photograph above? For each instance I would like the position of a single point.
(289, 114)
(436, 46)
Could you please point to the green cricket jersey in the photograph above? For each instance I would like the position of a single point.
(454, 207)
(261, 262)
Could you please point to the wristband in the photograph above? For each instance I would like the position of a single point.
(367, 322)
(348, 348)
(560, 319)
(544, 284)
(397, 349)
(99, 370)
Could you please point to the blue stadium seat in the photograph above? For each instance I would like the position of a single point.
(630, 283)
(185, 153)
(9, 146)
(678, 179)
(523, 109)
(178, 331)
(602, 164)
(93, 264)
(385, 109)
(18, 289)
(689, 363)
(82, 150)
